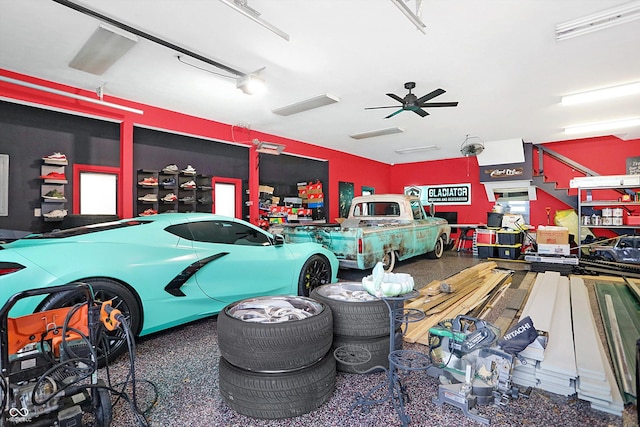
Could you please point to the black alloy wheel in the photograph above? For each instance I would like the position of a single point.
(111, 344)
(315, 272)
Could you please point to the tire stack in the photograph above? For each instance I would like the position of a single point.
(276, 370)
(359, 322)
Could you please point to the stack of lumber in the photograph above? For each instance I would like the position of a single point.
(573, 359)
(551, 368)
(459, 294)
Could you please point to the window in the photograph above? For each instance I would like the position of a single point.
(224, 232)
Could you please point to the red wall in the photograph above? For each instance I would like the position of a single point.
(605, 155)
(342, 166)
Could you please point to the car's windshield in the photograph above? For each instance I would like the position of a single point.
(86, 229)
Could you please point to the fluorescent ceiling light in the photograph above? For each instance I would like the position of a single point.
(417, 149)
(603, 126)
(307, 104)
(251, 84)
(268, 147)
(600, 94)
(242, 7)
(102, 50)
(378, 132)
(413, 17)
(598, 21)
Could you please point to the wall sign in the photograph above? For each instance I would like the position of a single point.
(633, 165)
(505, 172)
(448, 194)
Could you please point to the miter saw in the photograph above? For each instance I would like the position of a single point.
(472, 368)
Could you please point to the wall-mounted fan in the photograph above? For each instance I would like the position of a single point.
(411, 102)
(472, 146)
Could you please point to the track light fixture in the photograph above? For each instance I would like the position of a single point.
(268, 147)
(242, 6)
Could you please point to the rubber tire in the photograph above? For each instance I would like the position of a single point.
(103, 410)
(277, 395)
(378, 347)
(315, 272)
(389, 261)
(438, 248)
(358, 319)
(268, 347)
(103, 290)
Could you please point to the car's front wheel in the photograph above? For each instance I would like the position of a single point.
(438, 249)
(111, 343)
(315, 272)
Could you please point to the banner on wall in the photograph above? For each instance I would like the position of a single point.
(447, 194)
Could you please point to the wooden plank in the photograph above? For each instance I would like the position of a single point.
(542, 300)
(618, 348)
(559, 355)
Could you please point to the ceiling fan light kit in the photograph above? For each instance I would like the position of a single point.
(601, 94)
(307, 104)
(377, 132)
(599, 21)
(411, 102)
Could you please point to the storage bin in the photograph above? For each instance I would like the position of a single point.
(487, 251)
(509, 237)
(509, 251)
(486, 237)
(494, 219)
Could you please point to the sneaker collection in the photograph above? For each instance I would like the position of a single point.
(149, 181)
(58, 213)
(189, 170)
(150, 197)
(53, 195)
(56, 157)
(189, 185)
(170, 198)
(54, 175)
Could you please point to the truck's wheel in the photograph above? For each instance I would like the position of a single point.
(277, 395)
(279, 333)
(389, 261)
(356, 313)
(438, 249)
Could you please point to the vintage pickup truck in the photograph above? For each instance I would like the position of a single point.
(380, 227)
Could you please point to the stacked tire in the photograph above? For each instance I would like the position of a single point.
(360, 320)
(276, 360)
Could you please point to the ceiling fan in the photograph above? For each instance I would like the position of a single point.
(470, 147)
(411, 102)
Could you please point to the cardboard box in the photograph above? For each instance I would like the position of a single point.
(551, 249)
(552, 235)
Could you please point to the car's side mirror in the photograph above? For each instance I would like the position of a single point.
(278, 239)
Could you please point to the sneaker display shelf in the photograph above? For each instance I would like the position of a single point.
(52, 188)
(204, 193)
(186, 192)
(147, 199)
(168, 189)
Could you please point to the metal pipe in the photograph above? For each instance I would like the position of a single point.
(69, 95)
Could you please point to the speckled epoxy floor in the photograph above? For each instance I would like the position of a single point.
(182, 363)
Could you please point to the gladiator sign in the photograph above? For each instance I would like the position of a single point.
(450, 194)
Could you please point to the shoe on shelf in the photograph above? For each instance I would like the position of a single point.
(54, 195)
(188, 199)
(149, 181)
(148, 198)
(170, 198)
(170, 169)
(54, 175)
(189, 170)
(58, 157)
(149, 212)
(58, 213)
(169, 182)
(204, 200)
(189, 185)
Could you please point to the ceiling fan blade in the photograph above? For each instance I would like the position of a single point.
(377, 108)
(394, 113)
(439, 104)
(396, 97)
(420, 112)
(430, 95)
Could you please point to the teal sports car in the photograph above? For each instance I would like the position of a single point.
(161, 270)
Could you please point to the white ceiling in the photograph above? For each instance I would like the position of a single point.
(498, 58)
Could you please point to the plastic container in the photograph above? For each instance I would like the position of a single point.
(509, 237)
(509, 251)
(487, 251)
(486, 237)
